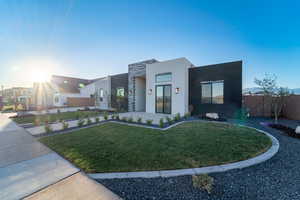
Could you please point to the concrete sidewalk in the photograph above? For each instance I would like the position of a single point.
(30, 169)
(37, 130)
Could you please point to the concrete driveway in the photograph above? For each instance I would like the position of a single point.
(29, 169)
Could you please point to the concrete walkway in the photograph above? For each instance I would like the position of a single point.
(27, 167)
(37, 130)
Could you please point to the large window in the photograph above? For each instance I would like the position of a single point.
(212, 92)
(101, 93)
(120, 92)
(166, 77)
(81, 85)
(56, 99)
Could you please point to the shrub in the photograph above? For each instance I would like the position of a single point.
(130, 119)
(58, 111)
(113, 116)
(48, 128)
(105, 116)
(241, 114)
(97, 119)
(8, 109)
(37, 121)
(169, 120)
(177, 117)
(174, 119)
(80, 122)
(124, 119)
(149, 122)
(89, 121)
(60, 120)
(203, 181)
(117, 117)
(139, 120)
(65, 125)
(187, 115)
(161, 123)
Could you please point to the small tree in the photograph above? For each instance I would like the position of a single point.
(277, 94)
(279, 101)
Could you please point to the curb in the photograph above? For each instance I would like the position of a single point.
(196, 171)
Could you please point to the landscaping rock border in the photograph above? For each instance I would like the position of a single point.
(195, 171)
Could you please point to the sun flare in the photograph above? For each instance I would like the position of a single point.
(40, 76)
(36, 69)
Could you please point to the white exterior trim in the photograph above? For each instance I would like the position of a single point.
(180, 79)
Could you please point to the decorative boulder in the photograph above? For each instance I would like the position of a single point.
(297, 131)
(212, 115)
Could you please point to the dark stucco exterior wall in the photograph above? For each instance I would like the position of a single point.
(119, 81)
(231, 73)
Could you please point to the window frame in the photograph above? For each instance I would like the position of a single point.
(101, 93)
(161, 74)
(117, 93)
(211, 83)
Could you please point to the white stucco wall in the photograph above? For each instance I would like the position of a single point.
(104, 84)
(140, 94)
(180, 78)
(88, 90)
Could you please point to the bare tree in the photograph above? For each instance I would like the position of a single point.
(279, 101)
(277, 94)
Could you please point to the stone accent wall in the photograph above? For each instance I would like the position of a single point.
(135, 70)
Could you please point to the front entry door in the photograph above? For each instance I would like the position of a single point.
(163, 99)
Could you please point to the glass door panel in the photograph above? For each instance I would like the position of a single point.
(163, 99)
(159, 99)
(167, 99)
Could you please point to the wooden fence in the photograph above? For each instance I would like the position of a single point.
(260, 106)
(80, 102)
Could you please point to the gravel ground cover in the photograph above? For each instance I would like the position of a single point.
(275, 179)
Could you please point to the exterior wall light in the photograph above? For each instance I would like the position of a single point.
(177, 90)
(149, 91)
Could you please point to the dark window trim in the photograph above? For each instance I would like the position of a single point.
(163, 99)
(211, 92)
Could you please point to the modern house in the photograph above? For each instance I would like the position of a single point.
(109, 92)
(167, 87)
(178, 86)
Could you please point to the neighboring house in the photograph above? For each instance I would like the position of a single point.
(177, 86)
(109, 92)
(104, 93)
(18, 96)
(67, 87)
(57, 92)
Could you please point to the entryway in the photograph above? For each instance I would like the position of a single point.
(163, 99)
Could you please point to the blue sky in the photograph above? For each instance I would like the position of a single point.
(91, 39)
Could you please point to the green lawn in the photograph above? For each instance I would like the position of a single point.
(56, 116)
(117, 148)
